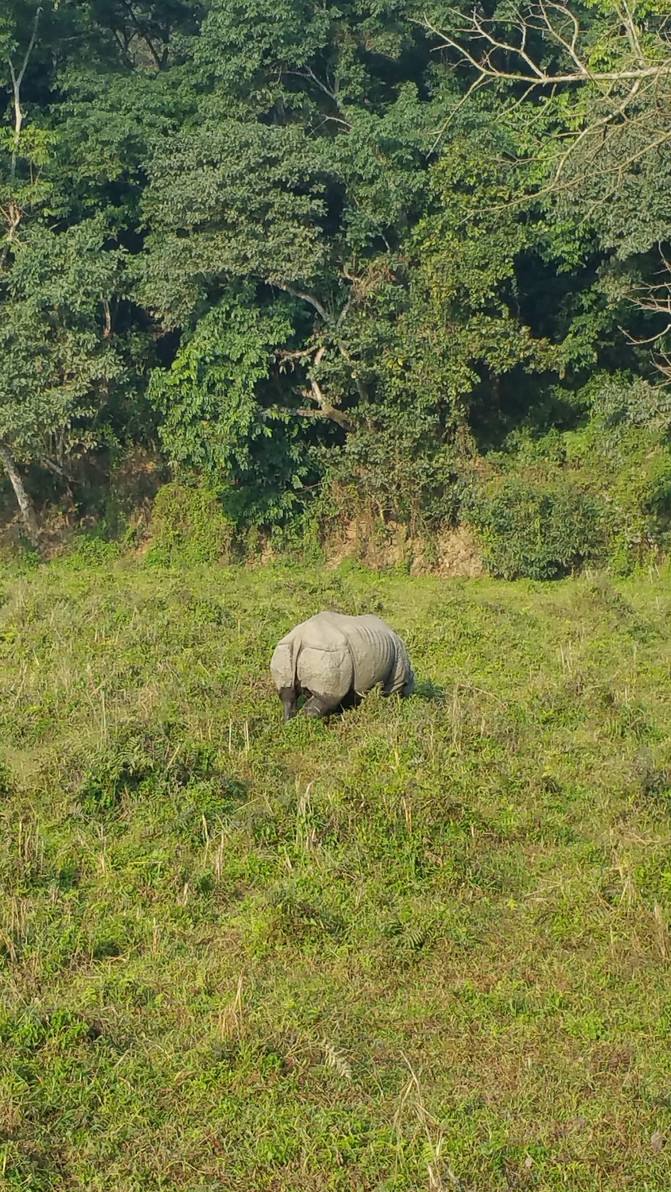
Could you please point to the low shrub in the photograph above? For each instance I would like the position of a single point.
(112, 773)
(189, 524)
(92, 550)
(6, 780)
(536, 531)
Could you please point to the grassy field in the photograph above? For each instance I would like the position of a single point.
(424, 946)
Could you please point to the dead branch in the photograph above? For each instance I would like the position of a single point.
(650, 339)
(286, 358)
(323, 408)
(17, 78)
(107, 319)
(631, 105)
(309, 298)
(632, 32)
(480, 46)
(315, 391)
(13, 212)
(499, 56)
(328, 412)
(159, 60)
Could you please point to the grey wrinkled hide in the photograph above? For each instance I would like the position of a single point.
(332, 656)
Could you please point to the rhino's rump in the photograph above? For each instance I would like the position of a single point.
(325, 672)
(332, 654)
(347, 654)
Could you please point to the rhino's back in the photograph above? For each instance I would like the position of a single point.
(371, 644)
(373, 647)
(324, 631)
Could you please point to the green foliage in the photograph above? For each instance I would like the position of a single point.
(218, 416)
(618, 455)
(619, 401)
(539, 531)
(189, 525)
(384, 472)
(90, 550)
(59, 367)
(235, 200)
(631, 469)
(110, 776)
(322, 265)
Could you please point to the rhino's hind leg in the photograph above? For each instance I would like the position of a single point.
(320, 705)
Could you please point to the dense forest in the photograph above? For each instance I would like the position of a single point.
(412, 258)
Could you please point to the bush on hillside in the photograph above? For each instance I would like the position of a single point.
(189, 524)
(536, 531)
(387, 477)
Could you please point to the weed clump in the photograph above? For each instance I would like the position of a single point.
(188, 525)
(113, 773)
(6, 780)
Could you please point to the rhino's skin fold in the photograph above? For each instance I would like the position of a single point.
(332, 656)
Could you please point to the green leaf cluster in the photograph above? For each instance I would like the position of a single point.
(302, 252)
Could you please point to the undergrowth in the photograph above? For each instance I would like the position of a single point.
(423, 946)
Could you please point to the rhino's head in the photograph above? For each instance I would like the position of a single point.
(289, 702)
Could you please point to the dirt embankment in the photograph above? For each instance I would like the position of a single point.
(452, 552)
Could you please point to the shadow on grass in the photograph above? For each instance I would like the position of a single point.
(429, 691)
(425, 690)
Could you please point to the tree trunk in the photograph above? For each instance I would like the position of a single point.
(24, 502)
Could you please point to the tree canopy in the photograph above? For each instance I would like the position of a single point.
(295, 242)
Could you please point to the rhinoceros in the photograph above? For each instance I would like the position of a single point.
(333, 659)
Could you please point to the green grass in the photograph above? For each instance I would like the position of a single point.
(424, 946)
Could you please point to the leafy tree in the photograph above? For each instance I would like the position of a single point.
(219, 406)
(302, 192)
(600, 76)
(60, 361)
(354, 245)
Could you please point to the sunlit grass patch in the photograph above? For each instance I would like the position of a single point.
(425, 945)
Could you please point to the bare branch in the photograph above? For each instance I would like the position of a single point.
(107, 319)
(310, 298)
(331, 92)
(570, 47)
(324, 408)
(590, 129)
(17, 80)
(475, 85)
(23, 499)
(142, 32)
(632, 31)
(650, 339)
(309, 74)
(546, 17)
(285, 357)
(663, 365)
(495, 57)
(328, 412)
